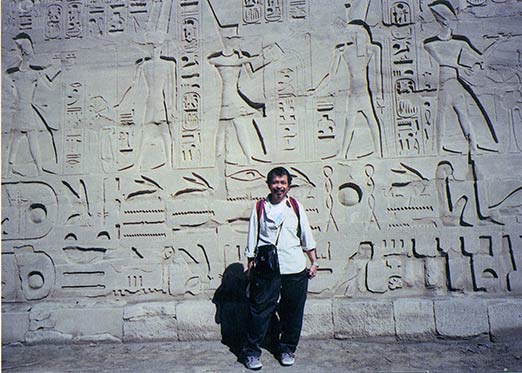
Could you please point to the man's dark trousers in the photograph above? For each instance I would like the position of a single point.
(264, 294)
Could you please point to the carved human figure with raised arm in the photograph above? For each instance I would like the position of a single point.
(157, 76)
(28, 119)
(230, 63)
(458, 59)
(363, 60)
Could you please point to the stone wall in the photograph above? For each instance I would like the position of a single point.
(136, 136)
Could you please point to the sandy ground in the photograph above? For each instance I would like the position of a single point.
(312, 356)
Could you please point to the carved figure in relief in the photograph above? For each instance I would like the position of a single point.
(157, 76)
(459, 199)
(457, 60)
(363, 60)
(28, 118)
(354, 278)
(506, 83)
(235, 106)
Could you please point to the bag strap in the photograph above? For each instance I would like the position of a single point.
(259, 210)
(295, 206)
(260, 205)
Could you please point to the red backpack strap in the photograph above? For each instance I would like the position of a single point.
(295, 206)
(259, 208)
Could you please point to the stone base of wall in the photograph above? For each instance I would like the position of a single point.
(410, 319)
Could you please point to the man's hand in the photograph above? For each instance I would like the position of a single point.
(312, 272)
(250, 265)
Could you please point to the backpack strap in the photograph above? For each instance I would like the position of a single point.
(295, 206)
(260, 205)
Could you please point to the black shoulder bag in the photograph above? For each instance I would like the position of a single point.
(266, 261)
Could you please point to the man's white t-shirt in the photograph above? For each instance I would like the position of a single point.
(281, 217)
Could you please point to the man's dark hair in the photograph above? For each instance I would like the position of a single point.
(278, 171)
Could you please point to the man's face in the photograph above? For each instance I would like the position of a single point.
(278, 188)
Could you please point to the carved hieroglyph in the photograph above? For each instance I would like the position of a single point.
(136, 137)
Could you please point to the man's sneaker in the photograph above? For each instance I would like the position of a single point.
(287, 359)
(253, 362)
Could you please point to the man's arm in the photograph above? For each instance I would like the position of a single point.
(307, 241)
(251, 239)
(313, 260)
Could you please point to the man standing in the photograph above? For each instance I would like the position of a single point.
(281, 221)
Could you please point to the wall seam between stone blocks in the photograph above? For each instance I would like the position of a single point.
(394, 320)
(436, 330)
(177, 321)
(490, 334)
(122, 324)
(332, 312)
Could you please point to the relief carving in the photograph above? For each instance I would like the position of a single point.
(155, 78)
(36, 271)
(138, 135)
(363, 61)
(29, 210)
(29, 118)
(458, 59)
(237, 112)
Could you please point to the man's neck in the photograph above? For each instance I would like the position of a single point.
(271, 199)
